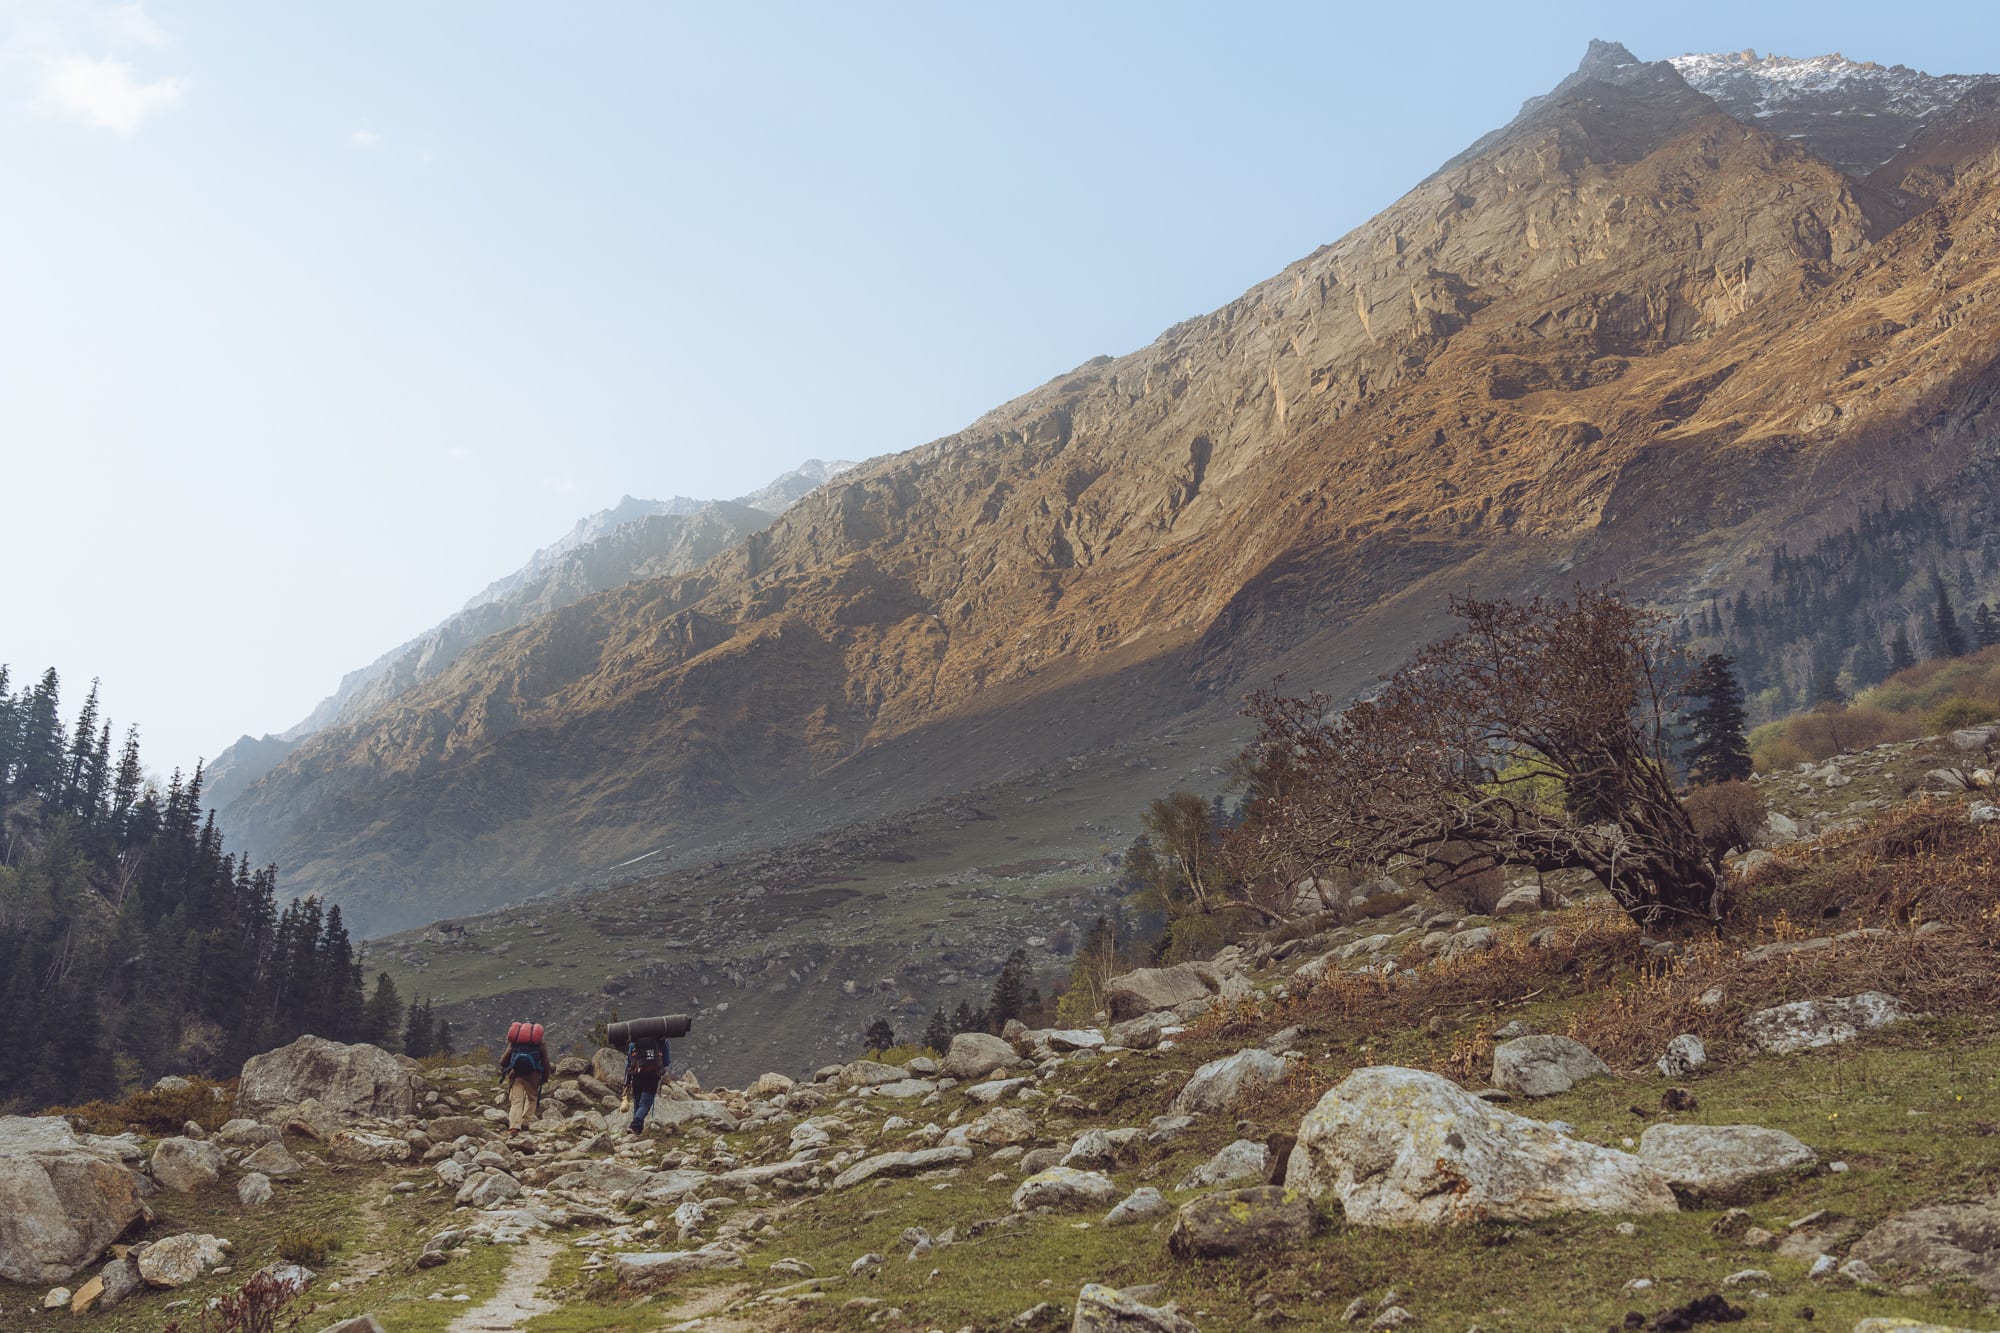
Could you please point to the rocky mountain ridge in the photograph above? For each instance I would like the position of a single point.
(633, 540)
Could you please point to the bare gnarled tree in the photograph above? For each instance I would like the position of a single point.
(1535, 737)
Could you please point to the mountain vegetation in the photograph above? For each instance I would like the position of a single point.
(132, 944)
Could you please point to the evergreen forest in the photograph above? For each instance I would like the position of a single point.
(132, 943)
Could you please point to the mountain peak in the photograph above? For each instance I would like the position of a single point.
(1602, 58)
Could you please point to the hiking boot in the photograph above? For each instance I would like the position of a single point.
(636, 1130)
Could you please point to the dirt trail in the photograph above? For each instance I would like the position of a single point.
(518, 1299)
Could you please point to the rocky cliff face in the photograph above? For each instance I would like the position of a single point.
(1632, 334)
(634, 540)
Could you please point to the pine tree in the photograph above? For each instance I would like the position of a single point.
(441, 1043)
(1985, 627)
(1717, 750)
(1901, 658)
(1010, 991)
(879, 1037)
(1949, 640)
(382, 1019)
(937, 1032)
(419, 1030)
(962, 1019)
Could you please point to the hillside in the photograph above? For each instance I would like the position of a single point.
(1627, 335)
(1727, 1133)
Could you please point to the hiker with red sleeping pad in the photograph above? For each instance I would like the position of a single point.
(525, 1067)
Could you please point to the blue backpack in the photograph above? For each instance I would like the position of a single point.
(524, 1061)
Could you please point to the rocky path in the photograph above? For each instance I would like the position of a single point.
(519, 1298)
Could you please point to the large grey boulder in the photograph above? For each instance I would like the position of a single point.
(1064, 1189)
(179, 1260)
(1141, 1033)
(1154, 988)
(1101, 1309)
(643, 1272)
(693, 1112)
(975, 1055)
(186, 1164)
(871, 1073)
(273, 1159)
(902, 1164)
(1241, 1160)
(1141, 1205)
(1218, 1085)
(63, 1198)
(1945, 1240)
(1544, 1065)
(347, 1081)
(1717, 1161)
(1265, 1217)
(1805, 1024)
(1401, 1147)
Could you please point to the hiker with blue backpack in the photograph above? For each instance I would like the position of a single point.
(525, 1066)
(646, 1061)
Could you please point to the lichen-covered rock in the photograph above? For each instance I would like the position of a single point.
(1218, 1085)
(1544, 1065)
(254, 1190)
(1064, 1189)
(1945, 1240)
(1001, 1126)
(179, 1260)
(273, 1159)
(347, 1081)
(1241, 1160)
(1805, 1024)
(1101, 1309)
(183, 1164)
(1684, 1055)
(1717, 1161)
(975, 1055)
(62, 1199)
(1141, 1205)
(1401, 1147)
(354, 1145)
(1264, 1217)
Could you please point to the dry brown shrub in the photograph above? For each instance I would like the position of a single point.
(1464, 878)
(1826, 732)
(1726, 815)
(159, 1111)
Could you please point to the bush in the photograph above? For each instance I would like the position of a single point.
(1191, 938)
(1727, 815)
(160, 1111)
(1826, 732)
(1475, 886)
(1959, 711)
(307, 1245)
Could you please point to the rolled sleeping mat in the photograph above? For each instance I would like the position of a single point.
(514, 1032)
(535, 1034)
(669, 1025)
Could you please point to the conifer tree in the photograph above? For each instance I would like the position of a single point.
(1010, 991)
(441, 1043)
(962, 1019)
(382, 1020)
(1985, 627)
(880, 1036)
(1901, 658)
(937, 1032)
(1949, 640)
(1717, 749)
(419, 1030)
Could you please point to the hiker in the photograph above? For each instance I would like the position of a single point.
(525, 1066)
(646, 1061)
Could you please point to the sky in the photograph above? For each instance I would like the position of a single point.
(316, 319)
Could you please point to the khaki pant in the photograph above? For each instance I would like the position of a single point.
(520, 1101)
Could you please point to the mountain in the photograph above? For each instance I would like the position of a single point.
(634, 539)
(1636, 333)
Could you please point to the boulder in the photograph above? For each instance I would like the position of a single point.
(1217, 1085)
(248, 1133)
(121, 1280)
(975, 1055)
(62, 1200)
(487, 1189)
(179, 1260)
(769, 1085)
(668, 1188)
(902, 1164)
(871, 1073)
(183, 1164)
(273, 1159)
(1805, 1024)
(608, 1066)
(1685, 1054)
(1073, 1039)
(993, 1089)
(1519, 901)
(347, 1081)
(448, 1127)
(1241, 1160)
(643, 1272)
(1542, 1066)
(1778, 829)
(1264, 1217)
(610, 1179)
(1154, 988)
(1141, 1033)
(1064, 1189)
(1959, 1240)
(1001, 1126)
(904, 1088)
(254, 1190)
(1141, 1205)
(1477, 940)
(354, 1145)
(1102, 1309)
(1401, 1147)
(1717, 1161)
(1102, 1149)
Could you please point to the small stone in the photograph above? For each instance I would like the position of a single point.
(57, 1298)
(1628, 1229)
(1742, 1276)
(1859, 1273)
(1757, 1238)
(1824, 1266)
(1358, 1308)
(1731, 1224)
(1393, 1317)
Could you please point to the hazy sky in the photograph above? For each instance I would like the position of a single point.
(314, 319)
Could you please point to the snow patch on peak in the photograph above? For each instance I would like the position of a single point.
(1743, 81)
